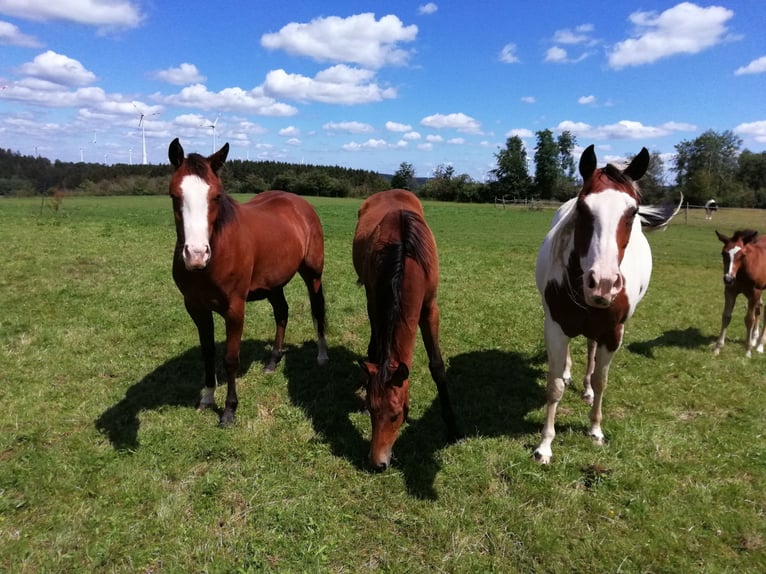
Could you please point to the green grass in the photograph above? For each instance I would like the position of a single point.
(105, 466)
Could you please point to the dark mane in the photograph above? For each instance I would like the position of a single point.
(615, 174)
(415, 243)
(197, 165)
(746, 235)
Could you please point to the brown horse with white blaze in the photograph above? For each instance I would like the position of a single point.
(229, 253)
(395, 258)
(744, 272)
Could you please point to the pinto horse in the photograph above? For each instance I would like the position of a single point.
(744, 271)
(395, 258)
(229, 253)
(592, 270)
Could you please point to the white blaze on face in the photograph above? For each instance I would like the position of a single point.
(194, 210)
(730, 263)
(601, 265)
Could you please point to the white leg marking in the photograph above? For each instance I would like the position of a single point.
(322, 358)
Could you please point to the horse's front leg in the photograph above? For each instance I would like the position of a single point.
(603, 358)
(762, 339)
(429, 330)
(557, 345)
(587, 388)
(235, 318)
(203, 319)
(279, 305)
(729, 298)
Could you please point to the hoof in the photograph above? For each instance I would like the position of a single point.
(206, 406)
(541, 458)
(716, 351)
(270, 367)
(227, 419)
(598, 440)
(322, 360)
(587, 398)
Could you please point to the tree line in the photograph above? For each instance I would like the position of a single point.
(710, 166)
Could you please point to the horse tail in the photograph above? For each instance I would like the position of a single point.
(657, 217)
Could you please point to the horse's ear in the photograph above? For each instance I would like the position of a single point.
(401, 374)
(638, 166)
(749, 236)
(722, 238)
(176, 153)
(588, 162)
(218, 158)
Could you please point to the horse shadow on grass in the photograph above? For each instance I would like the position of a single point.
(491, 392)
(176, 383)
(689, 338)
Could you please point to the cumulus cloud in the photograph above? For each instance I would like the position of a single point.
(754, 130)
(348, 127)
(757, 66)
(230, 99)
(371, 144)
(339, 84)
(183, 75)
(459, 121)
(520, 132)
(397, 127)
(528, 100)
(358, 39)
(112, 14)
(579, 35)
(624, 129)
(586, 100)
(683, 29)
(427, 9)
(10, 35)
(289, 131)
(508, 54)
(58, 69)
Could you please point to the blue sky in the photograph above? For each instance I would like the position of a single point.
(374, 84)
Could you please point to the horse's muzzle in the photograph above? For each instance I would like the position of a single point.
(196, 258)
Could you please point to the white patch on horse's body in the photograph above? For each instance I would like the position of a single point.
(194, 208)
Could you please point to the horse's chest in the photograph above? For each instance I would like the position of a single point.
(575, 318)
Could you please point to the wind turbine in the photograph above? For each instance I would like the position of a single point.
(213, 126)
(141, 117)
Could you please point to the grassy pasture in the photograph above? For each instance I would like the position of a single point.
(105, 466)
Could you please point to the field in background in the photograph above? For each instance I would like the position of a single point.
(105, 465)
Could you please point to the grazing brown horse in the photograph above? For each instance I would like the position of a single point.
(744, 271)
(229, 253)
(396, 260)
(593, 269)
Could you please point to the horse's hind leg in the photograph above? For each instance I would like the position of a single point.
(279, 304)
(318, 311)
(762, 339)
(751, 322)
(203, 319)
(429, 329)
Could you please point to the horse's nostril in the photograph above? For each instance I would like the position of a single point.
(380, 467)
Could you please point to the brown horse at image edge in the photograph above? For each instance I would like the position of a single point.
(228, 253)
(395, 258)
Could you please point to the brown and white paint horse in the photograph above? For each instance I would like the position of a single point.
(592, 270)
(744, 271)
(395, 258)
(229, 253)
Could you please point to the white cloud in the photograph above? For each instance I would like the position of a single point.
(348, 127)
(425, 146)
(579, 35)
(371, 144)
(397, 127)
(229, 99)
(359, 39)
(585, 100)
(684, 29)
(289, 131)
(679, 126)
(434, 138)
(58, 69)
(520, 132)
(336, 85)
(112, 14)
(556, 54)
(412, 136)
(10, 35)
(458, 121)
(757, 66)
(528, 100)
(508, 54)
(754, 130)
(183, 75)
(293, 142)
(427, 9)
(456, 141)
(624, 129)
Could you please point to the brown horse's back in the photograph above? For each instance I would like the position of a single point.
(294, 237)
(372, 232)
